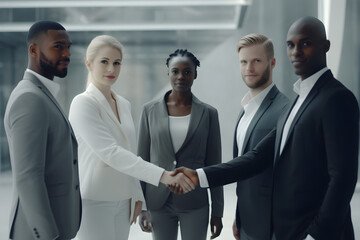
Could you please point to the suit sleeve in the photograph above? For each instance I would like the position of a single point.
(340, 122)
(87, 124)
(28, 122)
(245, 166)
(143, 149)
(213, 156)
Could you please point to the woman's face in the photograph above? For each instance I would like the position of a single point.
(105, 68)
(182, 73)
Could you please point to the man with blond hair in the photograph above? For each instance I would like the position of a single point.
(261, 107)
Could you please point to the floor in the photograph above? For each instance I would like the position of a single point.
(137, 234)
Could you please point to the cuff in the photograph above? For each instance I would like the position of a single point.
(309, 237)
(202, 178)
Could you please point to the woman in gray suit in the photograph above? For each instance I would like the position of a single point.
(180, 130)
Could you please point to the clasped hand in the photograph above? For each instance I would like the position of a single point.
(181, 180)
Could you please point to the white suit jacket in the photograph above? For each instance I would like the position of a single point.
(108, 168)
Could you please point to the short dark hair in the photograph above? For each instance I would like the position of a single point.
(41, 27)
(182, 52)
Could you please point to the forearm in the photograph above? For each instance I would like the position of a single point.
(245, 166)
(217, 201)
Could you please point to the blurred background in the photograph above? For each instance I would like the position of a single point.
(151, 30)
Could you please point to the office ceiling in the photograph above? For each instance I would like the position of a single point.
(141, 26)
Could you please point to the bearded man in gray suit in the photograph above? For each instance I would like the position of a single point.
(43, 148)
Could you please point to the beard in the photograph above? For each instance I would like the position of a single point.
(50, 67)
(263, 79)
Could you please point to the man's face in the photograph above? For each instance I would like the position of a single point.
(306, 51)
(254, 66)
(54, 53)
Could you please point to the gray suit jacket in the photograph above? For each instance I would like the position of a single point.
(43, 152)
(202, 147)
(254, 194)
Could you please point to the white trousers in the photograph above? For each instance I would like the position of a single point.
(104, 220)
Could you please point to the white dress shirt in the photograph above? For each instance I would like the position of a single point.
(250, 105)
(302, 88)
(53, 87)
(178, 129)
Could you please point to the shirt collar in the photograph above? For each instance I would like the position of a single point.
(258, 98)
(303, 87)
(53, 87)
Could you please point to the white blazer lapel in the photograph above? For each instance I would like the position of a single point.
(104, 105)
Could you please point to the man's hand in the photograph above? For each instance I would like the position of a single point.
(145, 221)
(216, 226)
(236, 231)
(180, 181)
(137, 211)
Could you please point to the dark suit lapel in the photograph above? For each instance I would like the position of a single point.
(280, 128)
(235, 148)
(197, 110)
(264, 105)
(37, 82)
(312, 94)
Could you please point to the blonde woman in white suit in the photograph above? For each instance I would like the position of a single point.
(108, 168)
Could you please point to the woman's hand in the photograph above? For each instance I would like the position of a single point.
(137, 211)
(145, 221)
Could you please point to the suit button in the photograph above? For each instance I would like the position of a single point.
(75, 161)
(76, 187)
(174, 162)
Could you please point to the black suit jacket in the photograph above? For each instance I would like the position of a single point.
(315, 176)
(254, 194)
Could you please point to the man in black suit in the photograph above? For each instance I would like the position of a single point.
(262, 106)
(316, 143)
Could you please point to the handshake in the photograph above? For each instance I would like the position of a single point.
(181, 180)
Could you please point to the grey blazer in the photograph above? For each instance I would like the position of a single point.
(202, 147)
(253, 212)
(43, 151)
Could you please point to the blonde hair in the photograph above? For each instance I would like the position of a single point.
(98, 43)
(257, 38)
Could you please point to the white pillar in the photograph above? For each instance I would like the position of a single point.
(332, 14)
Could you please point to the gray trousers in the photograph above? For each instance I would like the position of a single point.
(193, 223)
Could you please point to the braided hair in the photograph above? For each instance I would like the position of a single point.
(182, 52)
